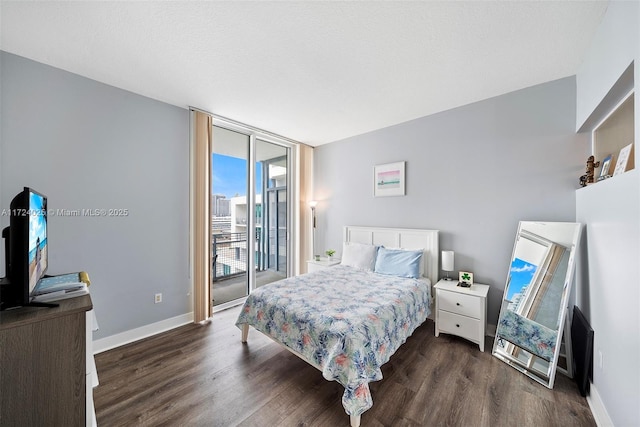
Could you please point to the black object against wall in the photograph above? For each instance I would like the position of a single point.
(26, 253)
(582, 346)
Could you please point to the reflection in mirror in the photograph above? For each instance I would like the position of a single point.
(533, 310)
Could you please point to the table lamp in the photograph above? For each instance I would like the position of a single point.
(447, 263)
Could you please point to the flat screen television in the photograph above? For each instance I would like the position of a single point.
(26, 243)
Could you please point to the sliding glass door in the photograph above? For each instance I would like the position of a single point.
(249, 214)
(229, 177)
(271, 219)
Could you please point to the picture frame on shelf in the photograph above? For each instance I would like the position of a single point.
(389, 179)
(623, 160)
(465, 279)
(606, 167)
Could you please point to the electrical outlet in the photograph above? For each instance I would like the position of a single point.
(158, 298)
(600, 360)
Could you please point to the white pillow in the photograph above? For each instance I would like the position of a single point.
(359, 255)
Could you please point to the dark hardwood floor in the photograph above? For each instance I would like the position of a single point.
(202, 375)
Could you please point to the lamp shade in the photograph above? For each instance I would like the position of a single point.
(313, 204)
(447, 260)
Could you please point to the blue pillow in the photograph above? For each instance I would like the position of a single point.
(398, 262)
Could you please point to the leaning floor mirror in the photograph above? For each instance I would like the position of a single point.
(529, 335)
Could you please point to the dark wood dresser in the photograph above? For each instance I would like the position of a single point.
(43, 364)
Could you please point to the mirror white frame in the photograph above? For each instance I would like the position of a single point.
(534, 311)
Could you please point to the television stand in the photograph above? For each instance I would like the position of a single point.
(31, 304)
(42, 304)
(45, 356)
(11, 303)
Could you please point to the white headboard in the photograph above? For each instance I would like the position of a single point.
(405, 238)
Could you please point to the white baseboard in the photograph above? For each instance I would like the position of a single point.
(132, 335)
(598, 409)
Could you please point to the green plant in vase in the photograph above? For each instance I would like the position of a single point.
(330, 253)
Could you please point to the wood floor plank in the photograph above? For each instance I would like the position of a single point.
(202, 375)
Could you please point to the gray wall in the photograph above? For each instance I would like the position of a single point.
(87, 145)
(472, 172)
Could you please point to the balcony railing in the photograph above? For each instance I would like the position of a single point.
(230, 253)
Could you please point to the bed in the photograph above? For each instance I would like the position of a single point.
(347, 321)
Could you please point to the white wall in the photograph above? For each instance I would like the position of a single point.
(87, 145)
(472, 172)
(612, 50)
(611, 212)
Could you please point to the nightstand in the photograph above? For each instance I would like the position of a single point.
(462, 311)
(313, 265)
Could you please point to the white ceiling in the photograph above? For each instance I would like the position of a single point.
(313, 71)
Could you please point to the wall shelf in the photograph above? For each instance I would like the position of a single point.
(613, 133)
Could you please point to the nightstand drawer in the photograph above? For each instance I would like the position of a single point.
(467, 305)
(463, 326)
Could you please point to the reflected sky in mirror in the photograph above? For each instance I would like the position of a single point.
(521, 274)
(536, 279)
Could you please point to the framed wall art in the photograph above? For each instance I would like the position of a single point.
(389, 180)
(606, 166)
(623, 160)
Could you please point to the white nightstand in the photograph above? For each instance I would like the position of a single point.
(313, 265)
(462, 311)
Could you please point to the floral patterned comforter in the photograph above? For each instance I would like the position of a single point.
(345, 321)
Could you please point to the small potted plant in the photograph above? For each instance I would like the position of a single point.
(330, 253)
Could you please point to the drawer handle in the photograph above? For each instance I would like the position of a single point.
(457, 325)
(458, 303)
